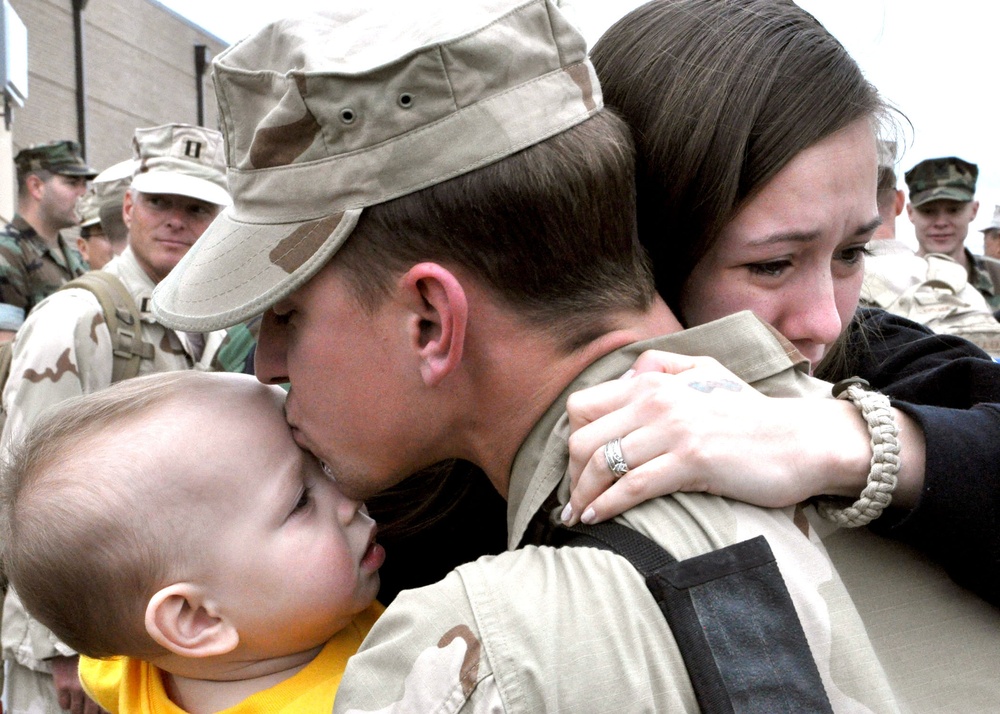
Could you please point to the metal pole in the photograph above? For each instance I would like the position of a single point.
(81, 83)
(200, 64)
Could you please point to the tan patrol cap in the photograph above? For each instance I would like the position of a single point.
(995, 223)
(887, 153)
(181, 159)
(89, 209)
(109, 187)
(327, 114)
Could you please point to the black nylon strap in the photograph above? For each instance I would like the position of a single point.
(732, 618)
(645, 554)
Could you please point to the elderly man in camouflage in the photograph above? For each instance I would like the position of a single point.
(437, 215)
(942, 205)
(35, 259)
(64, 349)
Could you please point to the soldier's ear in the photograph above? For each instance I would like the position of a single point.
(439, 315)
(81, 245)
(127, 205)
(183, 619)
(35, 186)
(975, 209)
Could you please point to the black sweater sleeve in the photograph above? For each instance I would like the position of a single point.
(952, 390)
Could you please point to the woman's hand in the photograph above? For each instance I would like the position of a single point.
(689, 424)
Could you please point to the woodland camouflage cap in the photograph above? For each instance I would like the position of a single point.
(948, 177)
(59, 157)
(327, 114)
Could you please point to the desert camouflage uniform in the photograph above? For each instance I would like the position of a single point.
(31, 270)
(932, 290)
(576, 630)
(63, 350)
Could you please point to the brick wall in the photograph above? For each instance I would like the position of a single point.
(139, 71)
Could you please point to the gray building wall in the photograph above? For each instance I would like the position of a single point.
(139, 70)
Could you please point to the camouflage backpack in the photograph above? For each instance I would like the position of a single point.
(941, 300)
(123, 321)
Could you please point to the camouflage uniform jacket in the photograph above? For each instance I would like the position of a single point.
(932, 290)
(575, 629)
(31, 270)
(985, 277)
(64, 350)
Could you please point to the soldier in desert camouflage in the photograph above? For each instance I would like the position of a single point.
(437, 216)
(103, 233)
(991, 236)
(64, 349)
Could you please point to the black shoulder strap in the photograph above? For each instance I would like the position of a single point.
(732, 617)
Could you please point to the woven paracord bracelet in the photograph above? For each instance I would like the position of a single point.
(882, 427)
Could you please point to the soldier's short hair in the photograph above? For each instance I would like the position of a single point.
(473, 134)
(549, 231)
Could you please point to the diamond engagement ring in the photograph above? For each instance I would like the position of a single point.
(615, 458)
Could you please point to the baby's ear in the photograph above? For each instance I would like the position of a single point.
(181, 619)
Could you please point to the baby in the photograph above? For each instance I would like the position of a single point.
(173, 520)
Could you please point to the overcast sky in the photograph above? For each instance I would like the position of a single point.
(936, 62)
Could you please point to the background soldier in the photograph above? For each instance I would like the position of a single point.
(103, 233)
(942, 205)
(92, 243)
(35, 259)
(65, 349)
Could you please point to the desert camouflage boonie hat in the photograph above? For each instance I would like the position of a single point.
(58, 157)
(948, 177)
(327, 114)
(181, 159)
